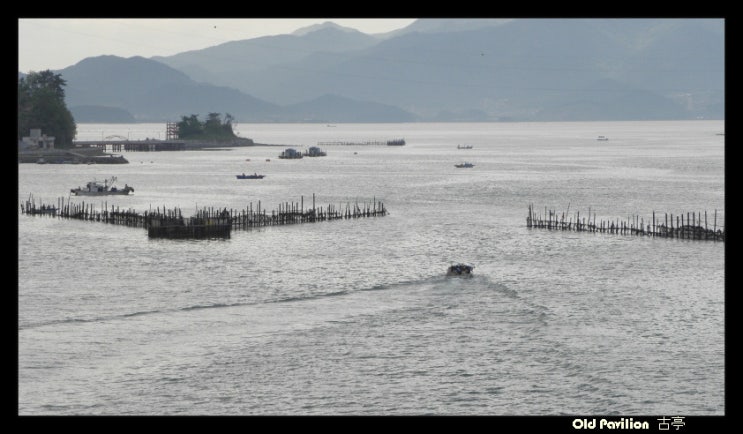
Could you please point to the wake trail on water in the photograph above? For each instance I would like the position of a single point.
(131, 315)
(435, 284)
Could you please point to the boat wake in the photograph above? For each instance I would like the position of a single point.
(438, 285)
(107, 318)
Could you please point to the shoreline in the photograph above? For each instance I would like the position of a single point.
(96, 155)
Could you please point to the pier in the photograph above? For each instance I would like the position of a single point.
(70, 156)
(394, 142)
(207, 222)
(689, 228)
(119, 145)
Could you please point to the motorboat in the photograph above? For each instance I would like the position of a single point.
(460, 270)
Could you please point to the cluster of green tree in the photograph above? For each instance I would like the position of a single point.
(41, 104)
(190, 127)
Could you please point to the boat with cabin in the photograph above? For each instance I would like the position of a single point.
(290, 154)
(315, 151)
(464, 165)
(107, 188)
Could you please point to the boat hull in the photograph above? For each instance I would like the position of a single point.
(101, 193)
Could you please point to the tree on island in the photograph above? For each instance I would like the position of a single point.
(41, 105)
(190, 127)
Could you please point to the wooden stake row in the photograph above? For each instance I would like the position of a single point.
(690, 228)
(207, 222)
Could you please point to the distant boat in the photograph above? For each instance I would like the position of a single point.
(460, 270)
(464, 146)
(464, 165)
(253, 176)
(95, 188)
(315, 151)
(602, 138)
(290, 154)
(396, 142)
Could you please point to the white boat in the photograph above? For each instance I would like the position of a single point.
(460, 270)
(95, 188)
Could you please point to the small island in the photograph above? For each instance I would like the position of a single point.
(188, 134)
(211, 133)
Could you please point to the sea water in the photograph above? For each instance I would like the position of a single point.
(356, 317)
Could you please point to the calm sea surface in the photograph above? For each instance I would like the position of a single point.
(355, 317)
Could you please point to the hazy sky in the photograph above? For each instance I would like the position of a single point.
(53, 43)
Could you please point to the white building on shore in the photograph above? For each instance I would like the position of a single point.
(36, 140)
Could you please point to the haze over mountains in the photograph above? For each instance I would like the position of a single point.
(432, 70)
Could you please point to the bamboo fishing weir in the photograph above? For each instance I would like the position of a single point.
(207, 222)
(689, 229)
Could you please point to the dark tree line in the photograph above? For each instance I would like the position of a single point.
(190, 127)
(41, 105)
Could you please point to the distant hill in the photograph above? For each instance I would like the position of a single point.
(153, 92)
(324, 26)
(333, 108)
(114, 89)
(432, 70)
(101, 114)
(607, 100)
(524, 69)
(444, 25)
(237, 63)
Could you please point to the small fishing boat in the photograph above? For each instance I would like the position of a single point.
(253, 176)
(315, 151)
(460, 270)
(290, 154)
(464, 146)
(602, 138)
(464, 165)
(95, 188)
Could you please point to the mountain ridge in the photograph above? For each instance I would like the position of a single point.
(433, 70)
